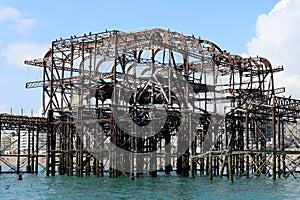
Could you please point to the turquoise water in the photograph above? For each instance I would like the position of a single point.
(166, 187)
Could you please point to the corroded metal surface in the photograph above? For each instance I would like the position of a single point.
(232, 105)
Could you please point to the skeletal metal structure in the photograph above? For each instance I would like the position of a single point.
(228, 115)
(30, 128)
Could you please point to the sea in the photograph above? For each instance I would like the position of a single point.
(39, 186)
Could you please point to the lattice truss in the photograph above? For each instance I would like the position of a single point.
(231, 96)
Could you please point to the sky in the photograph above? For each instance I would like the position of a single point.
(268, 28)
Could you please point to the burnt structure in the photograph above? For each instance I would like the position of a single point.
(14, 129)
(223, 106)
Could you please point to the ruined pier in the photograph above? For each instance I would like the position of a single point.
(157, 101)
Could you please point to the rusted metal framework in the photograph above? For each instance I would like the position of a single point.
(232, 104)
(15, 128)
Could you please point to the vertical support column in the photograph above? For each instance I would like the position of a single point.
(113, 129)
(28, 167)
(263, 157)
(168, 168)
(88, 167)
(67, 147)
(255, 157)
(88, 156)
(71, 148)
(99, 161)
(139, 161)
(48, 148)
(18, 150)
(210, 175)
(53, 148)
(279, 146)
(61, 168)
(274, 139)
(179, 165)
(51, 143)
(153, 157)
(32, 152)
(72, 126)
(101, 168)
(112, 154)
(96, 167)
(50, 134)
(132, 139)
(193, 164)
(79, 157)
(247, 142)
(230, 173)
(192, 148)
(282, 148)
(71, 168)
(37, 150)
(81, 161)
(153, 140)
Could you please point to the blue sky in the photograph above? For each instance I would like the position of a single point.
(27, 28)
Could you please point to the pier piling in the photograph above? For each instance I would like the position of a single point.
(182, 102)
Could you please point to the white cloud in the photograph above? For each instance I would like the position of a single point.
(15, 54)
(23, 25)
(8, 13)
(278, 39)
(16, 20)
